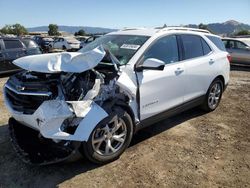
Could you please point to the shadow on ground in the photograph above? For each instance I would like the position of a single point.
(13, 172)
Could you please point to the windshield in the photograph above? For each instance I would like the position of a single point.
(123, 47)
(29, 43)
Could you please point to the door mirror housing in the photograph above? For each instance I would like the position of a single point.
(151, 64)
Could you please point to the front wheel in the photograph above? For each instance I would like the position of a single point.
(213, 96)
(110, 138)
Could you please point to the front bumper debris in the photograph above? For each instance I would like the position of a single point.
(37, 150)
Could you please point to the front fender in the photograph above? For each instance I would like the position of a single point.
(85, 127)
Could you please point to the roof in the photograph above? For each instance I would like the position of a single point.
(153, 31)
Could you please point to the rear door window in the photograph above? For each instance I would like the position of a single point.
(12, 44)
(240, 45)
(192, 46)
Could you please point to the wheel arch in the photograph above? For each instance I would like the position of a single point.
(222, 79)
(128, 109)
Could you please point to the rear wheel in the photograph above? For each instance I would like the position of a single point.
(110, 138)
(213, 96)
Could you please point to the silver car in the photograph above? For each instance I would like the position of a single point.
(239, 49)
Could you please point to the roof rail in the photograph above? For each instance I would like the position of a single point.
(183, 29)
(132, 28)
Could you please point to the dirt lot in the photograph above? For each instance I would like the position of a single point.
(192, 149)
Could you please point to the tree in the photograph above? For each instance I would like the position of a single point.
(16, 29)
(243, 32)
(202, 26)
(81, 32)
(53, 30)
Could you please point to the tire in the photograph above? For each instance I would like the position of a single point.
(95, 149)
(213, 96)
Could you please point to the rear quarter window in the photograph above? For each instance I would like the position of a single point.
(12, 44)
(206, 47)
(217, 42)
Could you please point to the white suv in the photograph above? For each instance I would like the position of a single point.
(94, 100)
(65, 43)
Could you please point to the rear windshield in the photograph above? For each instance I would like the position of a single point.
(217, 42)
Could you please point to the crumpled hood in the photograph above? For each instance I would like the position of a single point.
(62, 62)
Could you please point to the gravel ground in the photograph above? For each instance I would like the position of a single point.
(192, 149)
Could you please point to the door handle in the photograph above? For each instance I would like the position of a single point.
(178, 70)
(211, 61)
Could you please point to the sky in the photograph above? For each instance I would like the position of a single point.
(119, 14)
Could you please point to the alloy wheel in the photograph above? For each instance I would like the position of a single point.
(108, 139)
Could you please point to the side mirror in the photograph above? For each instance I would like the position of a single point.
(151, 64)
(247, 48)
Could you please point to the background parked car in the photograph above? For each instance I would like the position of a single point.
(13, 48)
(82, 40)
(32, 47)
(43, 42)
(10, 49)
(65, 43)
(89, 39)
(239, 49)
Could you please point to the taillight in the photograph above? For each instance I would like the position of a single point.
(229, 57)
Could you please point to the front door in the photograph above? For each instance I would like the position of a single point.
(161, 90)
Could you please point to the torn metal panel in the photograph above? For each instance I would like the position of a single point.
(81, 108)
(62, 62)
(49, 117)
(128, 86)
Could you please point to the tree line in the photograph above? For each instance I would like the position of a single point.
(19, 30)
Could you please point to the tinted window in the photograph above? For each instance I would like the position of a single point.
(29, 43)
(192, 46)
(10, 44)
(206, 48)
(231, 44)
(217, 42)
(164, 49)
(240, 45)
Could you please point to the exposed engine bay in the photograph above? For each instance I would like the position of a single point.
(53, 112)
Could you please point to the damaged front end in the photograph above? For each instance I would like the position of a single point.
(57, 102)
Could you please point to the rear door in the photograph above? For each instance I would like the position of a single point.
(241, 52)
(58, 43)
(199, 65)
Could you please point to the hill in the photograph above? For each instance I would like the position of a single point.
(225, 28)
